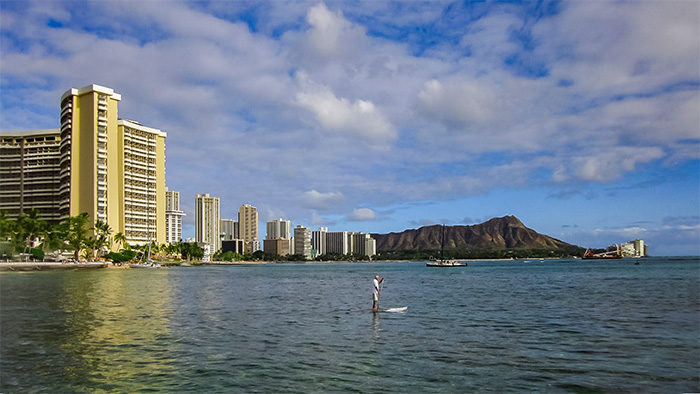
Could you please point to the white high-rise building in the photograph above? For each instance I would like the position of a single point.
(173, 217)
(207, 219)
(279, 228)
(318, 240)
(229, 229)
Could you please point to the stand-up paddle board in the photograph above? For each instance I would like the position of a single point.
(399, 310)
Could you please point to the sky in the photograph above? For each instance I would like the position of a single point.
(579, 118)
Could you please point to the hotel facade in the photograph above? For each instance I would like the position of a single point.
(111, 168)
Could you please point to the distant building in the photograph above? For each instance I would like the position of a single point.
(279, 228)
(173, 217)
(279, 246)
(235, 246)
(634, 248)
(343, 242)
(229, 230)
(318, 240)
(248, 227)
(207, 220)
(302, 241)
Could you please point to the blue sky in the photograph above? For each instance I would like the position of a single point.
(580, 118)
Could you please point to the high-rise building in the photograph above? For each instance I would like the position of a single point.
(207, 220)
(111, 168)
(30, 164)
(318, 240)
(279, 228)
(229, 229)
(302, 241)
(173, 217)
(248, 227)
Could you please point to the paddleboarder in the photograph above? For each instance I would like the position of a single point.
(375, 292)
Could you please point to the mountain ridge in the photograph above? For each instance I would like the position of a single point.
(506, 232)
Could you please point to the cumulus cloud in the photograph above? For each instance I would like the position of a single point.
(362, 215)
(359, 118)
(457, 103)
(316, 200)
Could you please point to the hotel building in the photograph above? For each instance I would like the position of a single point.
(302, 241)
(173, 217)
(207, 220)
(30, 162)
(111, 168)
(248, 227)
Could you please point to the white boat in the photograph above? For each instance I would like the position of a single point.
(446, 263)
(145, 265)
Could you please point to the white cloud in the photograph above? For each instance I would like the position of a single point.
(458, 103)
(317, 200)
(359, 118)
(362, 215)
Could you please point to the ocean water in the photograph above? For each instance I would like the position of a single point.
(553, 326)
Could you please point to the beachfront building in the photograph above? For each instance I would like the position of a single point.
(229, 230)
(30, 164)
(279, 246)
(634, 248)
(343, 242)
(111, 168)
(248, 227)
(173, 217)
(318, 240)
(279, 228)
(207, 220)
(302, 241)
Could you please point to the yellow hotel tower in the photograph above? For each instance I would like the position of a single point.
(111, 168)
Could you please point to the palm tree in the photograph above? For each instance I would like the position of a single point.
(103, 234)
(77, 233)
(120, 238)
(32, 226)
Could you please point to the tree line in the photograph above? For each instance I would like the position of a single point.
(31, 237)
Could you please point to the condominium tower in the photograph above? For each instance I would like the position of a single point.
(279, 228)
(248, 227)
(207, 220)
(30, 162)
(173, 216)
(111, 168)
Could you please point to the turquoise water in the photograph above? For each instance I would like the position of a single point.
(553, 326)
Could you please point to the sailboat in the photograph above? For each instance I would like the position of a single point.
(443, 262)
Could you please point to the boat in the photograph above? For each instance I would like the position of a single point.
(443, 262)
(609, 255)
(145, 265)
(446, 263)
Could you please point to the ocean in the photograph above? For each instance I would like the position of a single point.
(494, 326)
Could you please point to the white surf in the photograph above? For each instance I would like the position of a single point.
(400, 310)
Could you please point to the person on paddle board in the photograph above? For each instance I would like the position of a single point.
(375, 292)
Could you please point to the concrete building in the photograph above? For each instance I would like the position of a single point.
(279, 228)
(278, 246)
(30, 165)
(111, 168)
(173, 217)
(234, 245)
(318, 240)
(302, 241)
(229, 230)
(634, 248)
(207, 221)
(248, 227)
